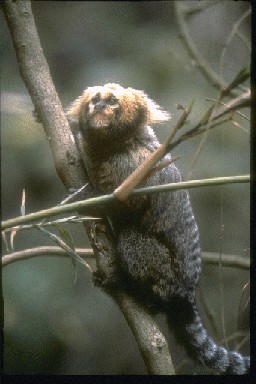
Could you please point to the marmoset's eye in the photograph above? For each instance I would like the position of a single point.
(96, 99)
(112, 100)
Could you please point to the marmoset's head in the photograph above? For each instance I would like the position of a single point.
(112, 110)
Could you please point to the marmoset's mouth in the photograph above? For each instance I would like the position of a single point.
(100, 120)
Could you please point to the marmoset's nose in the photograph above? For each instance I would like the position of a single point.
(100, 105)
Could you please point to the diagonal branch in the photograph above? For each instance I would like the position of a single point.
(125, 189)
(241, 101)
(233, 32)
(35, 73)
(204, 66)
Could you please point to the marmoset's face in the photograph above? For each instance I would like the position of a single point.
(114, 113)
(111, 112)
(101, 110)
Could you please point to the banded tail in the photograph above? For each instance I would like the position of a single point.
(187, 325)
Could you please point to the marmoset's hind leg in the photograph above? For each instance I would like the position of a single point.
(147, 261)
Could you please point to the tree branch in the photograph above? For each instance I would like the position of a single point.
(44, 251)
(87, 253)
(233, 32)
(205, 68)
(125, 189)
(236, 261)
(110, 199)
(241, 101)
(35, 73)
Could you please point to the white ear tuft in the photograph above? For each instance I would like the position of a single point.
(155, 113)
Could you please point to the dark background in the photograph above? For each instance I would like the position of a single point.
(53, 325)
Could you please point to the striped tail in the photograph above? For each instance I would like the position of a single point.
(184, 319)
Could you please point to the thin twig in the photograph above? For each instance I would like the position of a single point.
(227, 105)
(125, 189)
(220, 275)
(44, 251)
(244, 40)
(107, 199)
(202, 64)
(231, 261)
(242, 101)
(63, 245)
(199, 8)
(236, 124)
(227, 260)
(65, 220)
(213, 111)
(73, 195)
(230, 37)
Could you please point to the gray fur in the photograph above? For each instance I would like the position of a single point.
(157, 238)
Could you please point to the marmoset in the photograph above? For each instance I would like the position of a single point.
(158, 250)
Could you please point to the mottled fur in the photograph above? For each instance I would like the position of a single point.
(157, 236)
